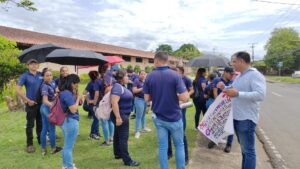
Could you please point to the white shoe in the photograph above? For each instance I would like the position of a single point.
(146, 130)
(223, 141)
(137, 135)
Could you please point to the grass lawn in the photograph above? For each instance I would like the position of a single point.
(284, 79)
(87, 154)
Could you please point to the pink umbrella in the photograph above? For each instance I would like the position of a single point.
(113, 59)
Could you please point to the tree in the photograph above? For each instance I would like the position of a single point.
(148, 69)
(137, 69)
(10, 67)
(282, 47)
(129, 66)
(26, 4)
(165, 48)
(187, 51)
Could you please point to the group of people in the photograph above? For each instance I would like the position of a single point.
(165, 88)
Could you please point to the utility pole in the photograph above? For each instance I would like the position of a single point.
(252, 45)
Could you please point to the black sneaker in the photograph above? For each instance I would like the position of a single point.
(133, 164)
(132, 116)
(211, 145)
(56, 150)
(118, 157)
(227, 149)
(104, 144)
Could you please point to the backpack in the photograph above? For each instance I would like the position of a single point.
(57, 115)
(105, 108)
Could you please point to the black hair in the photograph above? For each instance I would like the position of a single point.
(71, 78)
(93, 75)
(200, 72)
(162, 56)
(120, 74)
(45, 70)
(181, 68)
(243, 55)
(212, 76)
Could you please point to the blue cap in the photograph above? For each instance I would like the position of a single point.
(116, 67)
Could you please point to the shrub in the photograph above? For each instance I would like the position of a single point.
(137, 69)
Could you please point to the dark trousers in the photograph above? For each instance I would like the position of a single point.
(186, 152)
(200, 107)
(33, 113)
(121, 136)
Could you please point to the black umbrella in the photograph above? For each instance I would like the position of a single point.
(75, 57)
(38, 52)
(209, 60)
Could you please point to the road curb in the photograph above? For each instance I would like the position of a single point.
(276, 159)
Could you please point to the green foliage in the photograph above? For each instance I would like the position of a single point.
(129, 66)
(283, 46)
(26, 4)
(84, 78)
(10, 67)
(55, 74)
(187, 51)
(260, 65)
(148, 69)
(166, 48)
(137, 69)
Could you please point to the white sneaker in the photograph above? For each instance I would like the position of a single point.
(146, 130)
(137, 135)
(223, 141)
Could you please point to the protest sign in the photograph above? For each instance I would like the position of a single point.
(217, 122)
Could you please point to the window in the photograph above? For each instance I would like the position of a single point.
(139, 60)
(151, 60)
(127, 58)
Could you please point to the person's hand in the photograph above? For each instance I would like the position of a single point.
(221, 85)
(91, 101)
(94, 108)
(119, 121)
(31, 103)
(232, 92)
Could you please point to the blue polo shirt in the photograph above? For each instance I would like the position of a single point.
(198, 87)
(57, 81)
(91, 87)
(101, 88)
(219, 79)
(109, 78)
(68, 99)
(133, 77)
(163, 85)
(32, 84)
(187, 82)
(208, 90)
(139, 84)
(126, 98)
(48, 90)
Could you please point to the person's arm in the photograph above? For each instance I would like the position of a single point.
(215, 92)
(203, 85)
(147, 97)
(46, 101)
(136, 90)
(183, 97)
(115, 107)
(258, 86)
(86, 96)
(181, 90)
(23, 97)
(191, 90)
(74, 108)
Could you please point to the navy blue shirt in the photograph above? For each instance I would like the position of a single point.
(217, 80)
(132, 78)
(163, 85)
(187, 82)
(48, 90)
(139, 84)
(101, 88)
(32, 84)
(91, 87)
(67, 99)
(109, 78)
(198, 88)
(57, 81)
(126, 98)
(208, 90)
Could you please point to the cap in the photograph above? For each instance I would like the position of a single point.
(32, 60)
(116, 67)
(229, 70)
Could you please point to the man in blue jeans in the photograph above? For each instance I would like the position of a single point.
(249, 89)
(165, 88)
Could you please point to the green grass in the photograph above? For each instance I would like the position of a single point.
(286, 79)
(87, 154)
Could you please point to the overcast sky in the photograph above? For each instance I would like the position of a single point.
(225, 26)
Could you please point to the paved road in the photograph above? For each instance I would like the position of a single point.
(280, 119)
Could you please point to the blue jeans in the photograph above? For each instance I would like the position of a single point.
(95, 124)
(108, 129)
(140, 107)
(245, 131)
(47, 126)
(70, 131)
(229, 140)
(176, 130)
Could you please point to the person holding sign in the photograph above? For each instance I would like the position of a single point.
(219, 84)
(249, 89)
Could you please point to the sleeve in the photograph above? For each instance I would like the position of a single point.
(189, 83)
(180, 87)
(68, 99)
(258, 86)
(116, 90)
(107, 79)
(96, 86)
(22, 80)
(136, 83)
(44, 90)
(146, 88)
(88, 87)
(215, 82)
